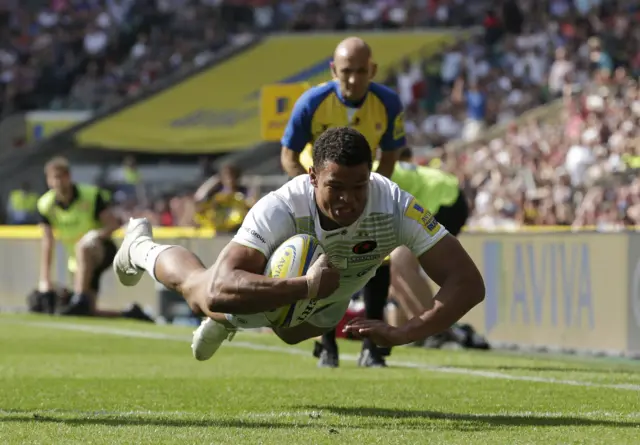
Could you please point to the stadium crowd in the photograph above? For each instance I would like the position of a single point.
(576, 169)
(90, 54)
(525, 57)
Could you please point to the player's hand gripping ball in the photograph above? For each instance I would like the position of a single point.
(298, 256)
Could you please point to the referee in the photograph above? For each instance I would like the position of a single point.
(350, 99)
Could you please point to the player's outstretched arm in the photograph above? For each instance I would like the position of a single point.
(461, 288)
(239, 286)
(446, 262)
(235, 283)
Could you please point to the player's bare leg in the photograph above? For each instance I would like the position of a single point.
(178, 269)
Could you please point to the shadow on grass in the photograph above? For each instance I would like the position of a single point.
(74, 418)
(498, 420)
(179, 420)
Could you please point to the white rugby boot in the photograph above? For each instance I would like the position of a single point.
(208, 338)
(137, 230)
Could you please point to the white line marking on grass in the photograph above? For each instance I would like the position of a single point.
(348, 357)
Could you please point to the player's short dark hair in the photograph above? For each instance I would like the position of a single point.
(342, 145)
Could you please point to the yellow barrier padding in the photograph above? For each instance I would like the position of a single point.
(35, 232)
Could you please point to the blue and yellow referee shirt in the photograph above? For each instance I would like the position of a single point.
(378, 116)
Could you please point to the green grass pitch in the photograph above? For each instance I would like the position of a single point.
(74, 381)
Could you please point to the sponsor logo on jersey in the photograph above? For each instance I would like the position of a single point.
(364, 247)
(363, 258)
(429, 223)
(423, 217)
(255, 234)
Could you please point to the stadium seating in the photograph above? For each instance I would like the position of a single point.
(125, 46)
(523, 58)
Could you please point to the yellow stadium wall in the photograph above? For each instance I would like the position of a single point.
(545, 287)
(218, 109)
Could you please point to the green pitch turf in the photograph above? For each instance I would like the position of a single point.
(99, 382)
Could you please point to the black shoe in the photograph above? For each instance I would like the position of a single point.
(371, 358)
(328, 359)
(136, 313)
(78, 306)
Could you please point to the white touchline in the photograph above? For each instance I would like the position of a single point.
(348, 357)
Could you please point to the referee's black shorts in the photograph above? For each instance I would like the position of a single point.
(454, 216)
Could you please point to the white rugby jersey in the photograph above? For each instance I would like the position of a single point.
(391, 218)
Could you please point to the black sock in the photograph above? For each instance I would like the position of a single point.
(329, 341)
(375, 298)
(375, 293)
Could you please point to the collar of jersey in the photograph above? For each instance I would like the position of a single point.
(346, 102)
(75, 194)
(347, 230)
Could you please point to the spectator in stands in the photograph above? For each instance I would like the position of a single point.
(102, 51)
(559, 73)
(222, 202)
(22, 207)
(129, 179)
(474, 99)
(578, 168)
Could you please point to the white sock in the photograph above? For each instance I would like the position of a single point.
(144, 254)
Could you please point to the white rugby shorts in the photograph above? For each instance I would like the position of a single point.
(323, 317)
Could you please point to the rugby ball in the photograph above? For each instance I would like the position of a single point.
(292, 259)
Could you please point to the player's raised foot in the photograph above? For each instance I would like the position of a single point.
(137, 230)
(208, 338)
(371, 358)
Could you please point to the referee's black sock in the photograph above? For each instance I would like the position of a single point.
(375, 298)
(329, 342)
